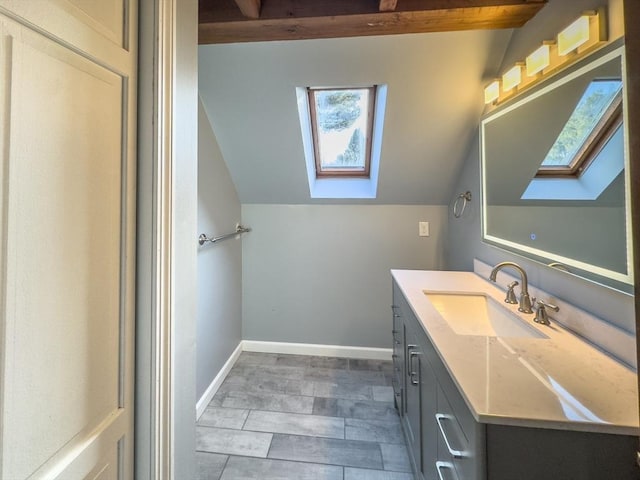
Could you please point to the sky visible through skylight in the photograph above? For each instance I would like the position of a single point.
(594, 102)
(342, 120)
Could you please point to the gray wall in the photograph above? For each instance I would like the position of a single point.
(320, 273)
(434, 100)
(219, 323)
(465, 234)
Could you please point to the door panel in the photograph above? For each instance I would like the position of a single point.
(66, 256)
(109, 18)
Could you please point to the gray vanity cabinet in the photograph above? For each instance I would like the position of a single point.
(416, 394)
(451, 443)
(407, 379)
(445, 442)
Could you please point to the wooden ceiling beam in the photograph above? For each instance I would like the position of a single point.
(387, 5)
(249, 8)
(221, 21)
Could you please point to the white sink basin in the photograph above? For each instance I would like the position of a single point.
(478, 314)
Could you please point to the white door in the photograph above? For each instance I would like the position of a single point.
(67, 226)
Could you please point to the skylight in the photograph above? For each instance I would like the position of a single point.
(591, 124)
(342, 121)
(342, 139)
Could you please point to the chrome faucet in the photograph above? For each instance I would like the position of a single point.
(525, 300)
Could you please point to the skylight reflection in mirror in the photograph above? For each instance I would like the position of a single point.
(591, 115)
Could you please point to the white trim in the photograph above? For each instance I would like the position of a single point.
(369, 353)
(163, 399)
(211, 390)
(155, 295)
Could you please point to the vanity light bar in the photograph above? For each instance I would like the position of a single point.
(492, 92)
(539, 59)
(579, 38)
(512, 78)
(574, 36)
(582, 35)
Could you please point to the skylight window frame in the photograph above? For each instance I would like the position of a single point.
(601, 133)
(343, 172)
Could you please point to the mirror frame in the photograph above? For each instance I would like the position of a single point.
(617, 280)
(632, 79)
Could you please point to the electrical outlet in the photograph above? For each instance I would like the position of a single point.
(423, 229)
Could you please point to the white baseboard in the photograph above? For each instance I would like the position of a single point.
(318, 350)
(217, 381)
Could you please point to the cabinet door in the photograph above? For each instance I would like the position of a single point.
(413, 417)
(429, 396)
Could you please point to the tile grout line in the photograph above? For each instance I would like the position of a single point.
(246, 418)
(344, 423)
(226, 462)
(382, 458)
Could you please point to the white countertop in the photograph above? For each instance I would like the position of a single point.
(557, 382)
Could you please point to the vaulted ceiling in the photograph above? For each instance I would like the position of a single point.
(434, 103)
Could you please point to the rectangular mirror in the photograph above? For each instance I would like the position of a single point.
(555, 182)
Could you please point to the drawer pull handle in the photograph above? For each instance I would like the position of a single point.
(413, 374)
(454, 453)
(440, 466)
(409, 348)
(394, 331)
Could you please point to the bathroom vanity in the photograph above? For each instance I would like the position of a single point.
(485, 393)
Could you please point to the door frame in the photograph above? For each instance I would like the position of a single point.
(166, 241)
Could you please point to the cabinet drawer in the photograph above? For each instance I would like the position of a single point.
(450, 429)
(444, 465)
(450, 391)
(460, 443)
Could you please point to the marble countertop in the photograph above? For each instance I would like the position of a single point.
(557, 382)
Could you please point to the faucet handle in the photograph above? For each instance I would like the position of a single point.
(541, 311)
(543, 304)
(511, 296)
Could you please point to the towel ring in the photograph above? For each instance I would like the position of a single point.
(466, 198)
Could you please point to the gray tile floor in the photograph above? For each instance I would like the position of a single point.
(281, 417)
